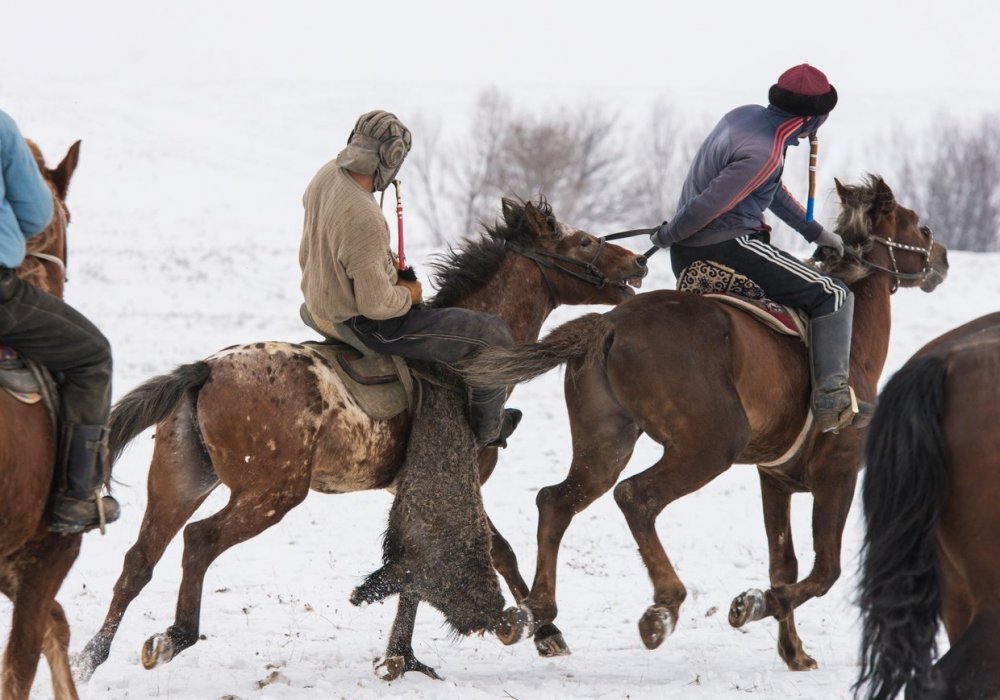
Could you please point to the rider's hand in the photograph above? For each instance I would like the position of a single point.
(414, 288)
(827, 239)
(654, 237)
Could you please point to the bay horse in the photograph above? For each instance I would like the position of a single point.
(214, 426)
(715, 387)
(932, 544)
(34, 561)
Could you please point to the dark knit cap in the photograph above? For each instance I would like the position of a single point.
(804, 91)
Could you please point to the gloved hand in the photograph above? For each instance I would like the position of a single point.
(826, 239)
(414, 288)
(654, 237)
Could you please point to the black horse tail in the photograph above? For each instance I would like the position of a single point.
(905, 485)
(151, 402)
(586, 337)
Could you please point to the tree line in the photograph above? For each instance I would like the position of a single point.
(604, 176)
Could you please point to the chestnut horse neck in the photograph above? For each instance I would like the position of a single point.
(45, 260)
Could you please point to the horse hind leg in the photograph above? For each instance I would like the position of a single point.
(180, 478)
(253, 506)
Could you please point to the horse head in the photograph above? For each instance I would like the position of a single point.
(579, 268)
(45, 262)
(881, 234)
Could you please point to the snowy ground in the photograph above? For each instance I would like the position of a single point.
(186, 223)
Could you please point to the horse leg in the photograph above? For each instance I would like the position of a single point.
(55, 646)
(251, 509)
(685, 467)
(42, 568)
(180, 478)
(831, 502)
(399, 656)
(603, 440)
(784, 566)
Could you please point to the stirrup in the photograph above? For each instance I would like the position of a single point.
(851, 416)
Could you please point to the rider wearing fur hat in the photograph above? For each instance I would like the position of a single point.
(350, 280)
(735, 177)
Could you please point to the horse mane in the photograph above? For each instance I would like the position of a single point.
(460, 272)
(51, 240)
(860, 214)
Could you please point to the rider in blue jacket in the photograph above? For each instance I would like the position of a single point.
(735, 176)
(42, 327)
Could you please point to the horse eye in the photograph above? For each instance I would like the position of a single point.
(585, 243)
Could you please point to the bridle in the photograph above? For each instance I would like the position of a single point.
(545, 260)
(893, 246)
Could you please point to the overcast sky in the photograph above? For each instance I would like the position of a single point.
(933, 52)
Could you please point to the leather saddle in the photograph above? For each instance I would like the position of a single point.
(381, 384)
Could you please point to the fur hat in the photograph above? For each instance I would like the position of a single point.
(803, 91)
(377, 146)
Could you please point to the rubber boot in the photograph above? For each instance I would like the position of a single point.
(833, 405)
(77, 504)
(491, 423)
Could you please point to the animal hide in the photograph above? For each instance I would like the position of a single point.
(437, 545)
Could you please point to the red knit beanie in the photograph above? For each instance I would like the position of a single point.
(803, 91)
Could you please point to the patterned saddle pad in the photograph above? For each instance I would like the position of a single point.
(728, 286)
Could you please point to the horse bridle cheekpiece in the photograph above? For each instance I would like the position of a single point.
(588, 272)
(893, 246)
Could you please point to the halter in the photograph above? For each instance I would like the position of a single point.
(590, 273)
(892, 246)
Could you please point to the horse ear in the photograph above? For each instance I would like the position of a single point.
(512, 211)
(537, 221)
(62, 173)
(842, 191)
(885, 200)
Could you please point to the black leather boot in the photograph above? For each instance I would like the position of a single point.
(77, 505)
(491, 423)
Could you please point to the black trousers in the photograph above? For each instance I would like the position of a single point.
(48, 330)
(441, 335)
(783, 278)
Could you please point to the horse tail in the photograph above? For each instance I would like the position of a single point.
(905, 485)
(584, 338)
(151, 402)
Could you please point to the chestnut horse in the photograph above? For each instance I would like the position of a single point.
(932, 546)
(715, 387)
(214, 428)
(34, 561)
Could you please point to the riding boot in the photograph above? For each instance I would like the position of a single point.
(491, 423)
(77, 504)
(833, 403)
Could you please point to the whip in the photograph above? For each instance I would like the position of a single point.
(813, 151)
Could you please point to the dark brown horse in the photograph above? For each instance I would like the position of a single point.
(273, 420)
(716, 387)
(33, 561)
(932, 546)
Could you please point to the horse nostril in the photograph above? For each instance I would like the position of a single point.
(641, 261)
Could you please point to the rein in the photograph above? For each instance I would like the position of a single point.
(633, 232)
(52, 259)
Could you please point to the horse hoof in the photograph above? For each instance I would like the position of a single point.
(390, 668)
(81, 667)
(551, 645)
(515, 624)
(656, 625)
(158, 649)
(747, 607)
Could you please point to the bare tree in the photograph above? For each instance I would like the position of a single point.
(954, 182)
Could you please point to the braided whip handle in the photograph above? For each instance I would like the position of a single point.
(813, 152)
(404, 272)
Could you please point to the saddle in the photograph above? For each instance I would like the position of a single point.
(28, 381)
(723, 284)
(381, 384)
